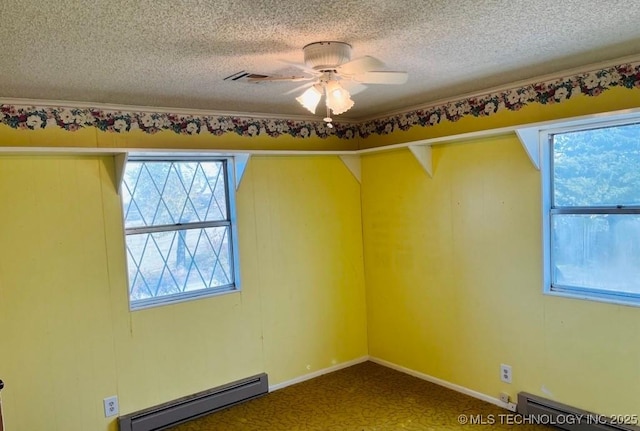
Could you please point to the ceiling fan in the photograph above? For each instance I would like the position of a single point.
(333, 74)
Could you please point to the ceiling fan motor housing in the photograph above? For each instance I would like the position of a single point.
(326, 55)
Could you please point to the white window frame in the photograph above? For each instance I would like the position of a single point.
(230, 167)
(546, 168)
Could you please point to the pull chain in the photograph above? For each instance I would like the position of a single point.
(328, 119)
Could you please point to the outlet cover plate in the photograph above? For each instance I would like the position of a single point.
(505, 373)
(111, 407)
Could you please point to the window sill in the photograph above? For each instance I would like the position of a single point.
(595, 297)
(179, 298)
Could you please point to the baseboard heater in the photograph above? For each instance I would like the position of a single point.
(538, 410)
(181, 410)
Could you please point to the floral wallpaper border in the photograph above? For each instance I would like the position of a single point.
(555, 91)
(72, 119)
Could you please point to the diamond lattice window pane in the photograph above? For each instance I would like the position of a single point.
(176, 190)
(220, 197)
(132, 214)
(211, 256)
(144, 192)
(139, 290)
(168, 256)
(209, 205)
(163, 193)
(165, 263)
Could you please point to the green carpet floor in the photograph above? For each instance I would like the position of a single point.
(364, 397)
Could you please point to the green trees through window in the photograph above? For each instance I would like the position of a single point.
(595, 212)
(597, 167)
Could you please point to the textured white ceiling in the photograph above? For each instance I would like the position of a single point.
(176, 53)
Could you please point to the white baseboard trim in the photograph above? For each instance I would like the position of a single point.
(444, 383)
(318, 373)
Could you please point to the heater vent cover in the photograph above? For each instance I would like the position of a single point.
(196, 405)
(547, 412)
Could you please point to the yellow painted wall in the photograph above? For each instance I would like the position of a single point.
(57, 343)
(308, 239)
(68, 339)
(454, 284)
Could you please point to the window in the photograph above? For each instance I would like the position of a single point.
(591, 187)
(180, 230)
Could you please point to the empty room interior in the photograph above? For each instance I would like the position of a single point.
(197, 193)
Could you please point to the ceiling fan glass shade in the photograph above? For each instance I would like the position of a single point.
(338, 99)
(310, 98)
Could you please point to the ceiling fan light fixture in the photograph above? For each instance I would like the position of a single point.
(332, 74)
(338, 99)
(342, 107)
(310, 98)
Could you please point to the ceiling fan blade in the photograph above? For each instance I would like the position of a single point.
(300, 87)
(302, 67)
(382, 77)
(353, 87)
(280, 79)
(360, 65)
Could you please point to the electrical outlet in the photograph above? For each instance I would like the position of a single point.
(505, 373)
(110, 406)
(504, 397)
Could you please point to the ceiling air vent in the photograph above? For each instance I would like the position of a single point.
(243, 76)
